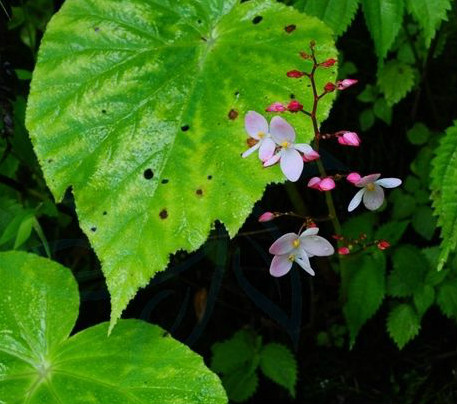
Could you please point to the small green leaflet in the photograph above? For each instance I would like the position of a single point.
(41, 364)
(403, 324)
(395, 79)
(143, 118)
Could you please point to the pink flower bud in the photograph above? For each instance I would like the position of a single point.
(311, 156)
(327, 184)
(349, 139)
(343, 84)
(343, 251)
(314, 182)
(329, 87)
(383, 244)
(295, 74)
(276, 107)
(311, 225)
(353, 178)
(328, 63)
(266, 217)
(338, 237)
(294, 106)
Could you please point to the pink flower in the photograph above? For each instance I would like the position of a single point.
(324, 184)
(343, 251)
(372, 191)
(276, 107)
(328, 63)
(290, 159)
(295, 74)
(266, 217)
(353, 177)
(294, 106)
(348, 139)
(383, 244)
(292, 248)
(257, 128)
(343, 84)
(310, 156)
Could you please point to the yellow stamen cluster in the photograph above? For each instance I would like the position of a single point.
(285, 144)
(291, 258)
(261, 134)
(370, 187)
(296, 243)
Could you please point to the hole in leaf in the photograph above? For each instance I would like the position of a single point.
(257, 19)
(148, 174)
(50, 160)
(233, 114)
(105, 213)
(185, 128)
(199, 21)
(204, 39)
(164, 181)
(290, 28)
(199, 192)
(163, 214)
(103, 111)
(94, 229)
(210, 177)
(237, 93)
(96, 29)
(292, 96)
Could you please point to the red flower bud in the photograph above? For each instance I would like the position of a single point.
(343, 251)
(343, 84)
(276, 107)
(311, 225)
(295, 74)
(294, 106)
(329, 87)
(383, 244)
(328, 63)
(266, 217)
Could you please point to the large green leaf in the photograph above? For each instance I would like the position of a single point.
(384, 19)
(337, 14)
(429, 14)
(403, 324)
(41, 364)
(444, 191)
(126, 91)
(365, 289)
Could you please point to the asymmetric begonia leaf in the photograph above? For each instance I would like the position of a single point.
(41, 364)
(139, 106)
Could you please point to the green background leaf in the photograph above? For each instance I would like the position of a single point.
(279, 364)
(403, 324)
(137, 88)
(41, 364)
(395, 79)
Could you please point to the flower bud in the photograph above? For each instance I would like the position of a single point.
(349, 139)
(311, 225)
(343, 84)
(329, 87)
(328, 63)
(276, 107)
(353, 177)
(311, 156)
(266, 217)
(327, 184)
(343, 251)
(294, 106)
(314, 182)
(383, 244)
(295, 74)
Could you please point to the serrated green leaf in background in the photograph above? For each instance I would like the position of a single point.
(423, 298)
(418, 134)
(240, 384)
(365, 290)
(447, 298)
(424, 223)
(410, 269)
(383, 111)
(41, 364)
(429, 14)
(395, 80)
(279, 364)
(337, 14)
(384, 19)
(444, 191)
(403, 324)
(392, 231)
(130, 105)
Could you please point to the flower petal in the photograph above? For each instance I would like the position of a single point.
(367, 179)
(255, 123)
(280, 265)
(251, 150)
(317, 245)
(281, 130)
(291, 164)
(304, 148)
(303, 261)
(373, 199)
(283, 244)
(389, 182)
(356, 200)
(267, 148)
(309, 232)
(272, 160)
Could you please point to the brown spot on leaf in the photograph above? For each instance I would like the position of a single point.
(233, 114)
(163, 214)
(290, 28)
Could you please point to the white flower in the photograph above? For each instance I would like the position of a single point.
(372, 192)
(257, 128)
(291, 248)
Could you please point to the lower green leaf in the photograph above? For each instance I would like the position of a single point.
(41, 364)
(403, 324)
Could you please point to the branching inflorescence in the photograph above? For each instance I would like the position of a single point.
(275, 143)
